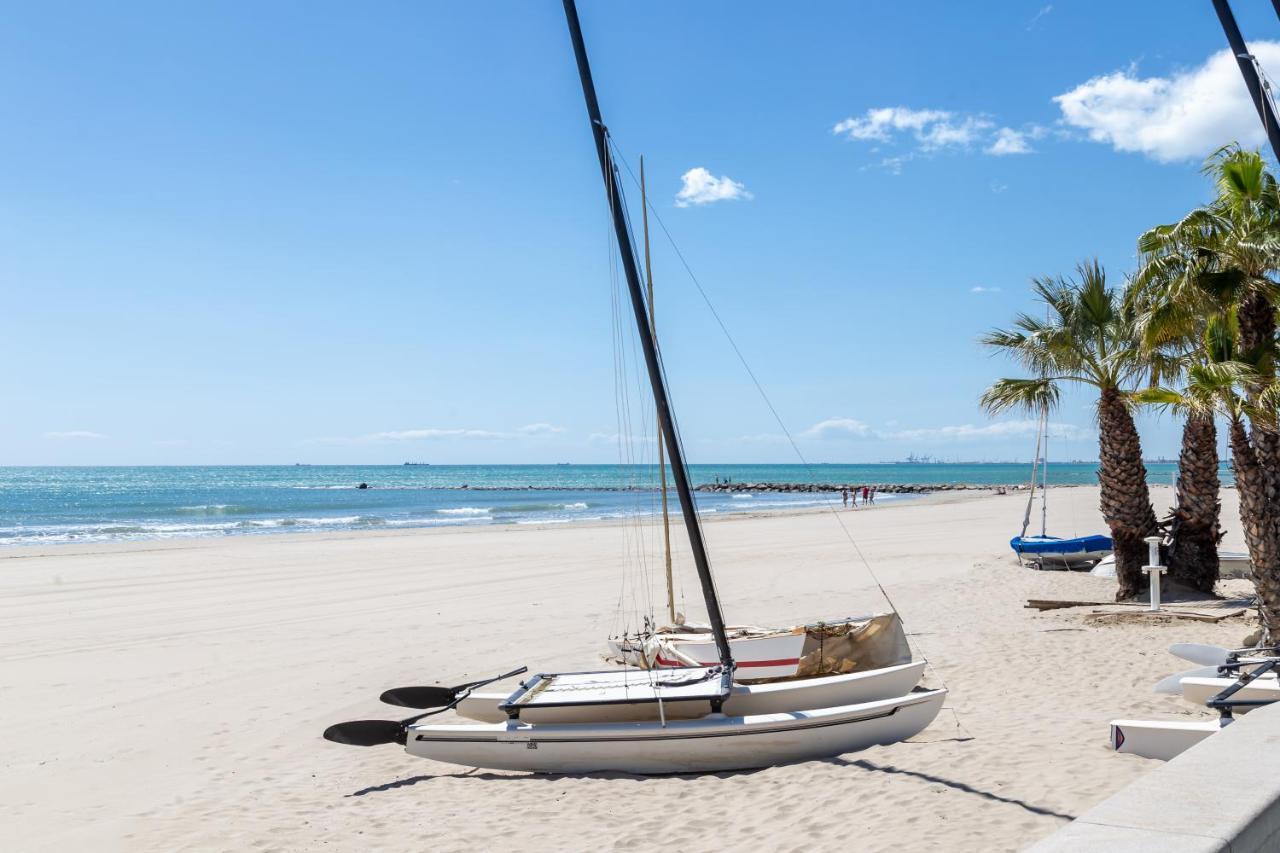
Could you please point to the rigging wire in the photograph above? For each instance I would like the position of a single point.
(830, 503)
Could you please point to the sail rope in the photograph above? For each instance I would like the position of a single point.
(613, 158)
(733, 344)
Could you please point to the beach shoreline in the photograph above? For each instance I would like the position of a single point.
(171, 695)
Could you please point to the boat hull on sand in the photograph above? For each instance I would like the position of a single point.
(1162, 739)
(1052, 552)
(743, 700)
(710, 744)
(1198, 691)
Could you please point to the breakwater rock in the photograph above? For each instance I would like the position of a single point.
(882, 488)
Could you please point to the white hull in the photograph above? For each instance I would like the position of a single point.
(1197, 691)
(1162, 739)
(1066, 560)
(744, 700)
(771, 655)
(1231, 565)
(710, 744)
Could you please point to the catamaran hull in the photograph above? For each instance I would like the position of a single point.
(710, 744)
(1198, 691)
(1162, 739)
(744, 700)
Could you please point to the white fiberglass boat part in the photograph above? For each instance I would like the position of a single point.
(1162, 739)
(743, 699)
(1198, 691)
(712, 743)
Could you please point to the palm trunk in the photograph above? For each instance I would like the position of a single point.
(1193, 556)
(1261, 531)
(1126, 501)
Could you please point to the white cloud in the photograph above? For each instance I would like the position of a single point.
(1185, 115)
(539, 429)
(931, 129)
(699, 186)
(845, 428)
(1001, 429)
(403, 435)
(1009, 141)
(980, 289)
(618, 438)
(74, 435)
(425, 434)
(878, 123)
(1039, 16)
(838, 428)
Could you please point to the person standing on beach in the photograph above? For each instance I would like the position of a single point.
(866, 495)
(872, 497)
(844, 497)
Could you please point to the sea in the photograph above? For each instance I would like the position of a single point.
(42, 505)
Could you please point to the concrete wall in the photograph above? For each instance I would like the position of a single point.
(1223, 794)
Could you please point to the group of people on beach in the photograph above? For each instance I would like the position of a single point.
(868, 495)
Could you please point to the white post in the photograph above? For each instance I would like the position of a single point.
(1154, 570)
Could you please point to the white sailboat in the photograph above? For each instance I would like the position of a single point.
(688, 720)
(1044, 550)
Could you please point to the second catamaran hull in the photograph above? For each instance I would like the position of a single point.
(710, 744)
(744, 700)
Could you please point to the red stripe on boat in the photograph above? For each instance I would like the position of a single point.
(743, 663)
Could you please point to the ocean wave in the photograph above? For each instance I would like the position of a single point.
(466, 510)
(743, 497)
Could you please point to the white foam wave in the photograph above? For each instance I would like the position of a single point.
(466, 510)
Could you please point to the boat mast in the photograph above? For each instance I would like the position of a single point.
(1044, 475)
(679, 473)
(1261, 101)
(662, 462)
(1031, 498)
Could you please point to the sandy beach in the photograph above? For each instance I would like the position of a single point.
(170, 695)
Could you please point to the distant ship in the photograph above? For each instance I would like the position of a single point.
(417, 463)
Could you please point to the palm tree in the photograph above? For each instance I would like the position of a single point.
(1225, 253)
(1186, 325)
(1208, 373)
(1088, 338)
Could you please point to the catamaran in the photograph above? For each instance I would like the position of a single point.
(688, 720)
(1044, 550)
(1233, 682)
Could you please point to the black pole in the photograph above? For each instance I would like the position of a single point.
(1245, 60)
(678, 471)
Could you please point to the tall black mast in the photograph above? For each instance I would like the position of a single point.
(1244, 59)
(680, 474)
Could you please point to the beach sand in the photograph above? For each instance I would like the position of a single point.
(170, 695)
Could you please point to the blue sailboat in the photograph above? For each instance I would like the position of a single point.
(1047, 551)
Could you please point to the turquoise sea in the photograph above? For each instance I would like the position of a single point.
(48, 505)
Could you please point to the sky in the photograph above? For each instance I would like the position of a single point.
(320, 232)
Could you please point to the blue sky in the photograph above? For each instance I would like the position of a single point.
(257, 233)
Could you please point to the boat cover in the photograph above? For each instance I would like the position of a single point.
(1054, 546)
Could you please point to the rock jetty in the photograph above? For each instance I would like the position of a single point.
(882, 488)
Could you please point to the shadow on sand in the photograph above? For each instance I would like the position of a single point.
(540, 777)
(950, 783)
